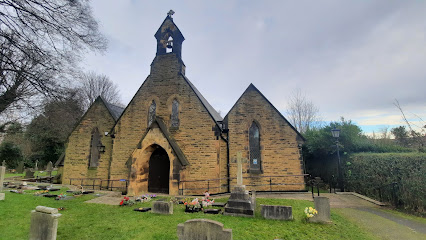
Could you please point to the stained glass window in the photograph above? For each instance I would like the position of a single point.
(151, 113)
(254, 143)
(175, 114)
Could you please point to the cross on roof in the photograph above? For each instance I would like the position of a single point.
(170, 13)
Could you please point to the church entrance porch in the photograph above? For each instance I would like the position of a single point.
(159, 171)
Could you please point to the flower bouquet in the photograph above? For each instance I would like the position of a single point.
(193, 206)
(126, 202)
(310, 212)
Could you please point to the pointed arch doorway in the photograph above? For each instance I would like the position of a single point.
(159, 171)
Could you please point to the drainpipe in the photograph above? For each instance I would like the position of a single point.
(227, 160)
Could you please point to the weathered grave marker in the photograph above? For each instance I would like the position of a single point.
(3, 164)
(36, 165)
(2, 173)
(44, 223)
(322, 205)
(20, 168)
(276, 212)
(29, 174)
(162, 207)
(49, 166)
(196, 229)
(240, 203)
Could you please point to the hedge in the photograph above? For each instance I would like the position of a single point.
(397, 178)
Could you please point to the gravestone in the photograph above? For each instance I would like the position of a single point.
(36, 165)
(276, 212)
(196, 229)
(29, 174)
(44, 223)
(2, 196)
(162, 207)
(20, 168)
(322, 205)
(2, 173)
(240, 202)
(3, 164)
(49, 166)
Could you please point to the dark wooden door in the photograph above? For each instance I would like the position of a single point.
(159, 169)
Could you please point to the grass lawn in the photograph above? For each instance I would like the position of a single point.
(97, 221)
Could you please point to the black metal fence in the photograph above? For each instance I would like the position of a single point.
(220, 185)
(101, 184)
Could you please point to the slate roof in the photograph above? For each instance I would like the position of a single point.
(213, 113)
(115, 110)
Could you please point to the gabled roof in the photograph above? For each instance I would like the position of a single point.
(251, 87)
(176, 149)
(114, 110)
(213, 113)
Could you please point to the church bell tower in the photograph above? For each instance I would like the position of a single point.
(169, 38)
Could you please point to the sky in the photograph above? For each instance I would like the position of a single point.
(352, 59)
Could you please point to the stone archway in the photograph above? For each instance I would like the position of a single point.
(159, 171)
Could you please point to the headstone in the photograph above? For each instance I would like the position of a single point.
(44, 223)
(36, 165)
(20, 168)
(29, 174)
(322, 205)
(2, 196)
(196, 229)
(49, 166)
(240, 202)
(162, 207)
(2, 173)
(3, 164)
(276, 212)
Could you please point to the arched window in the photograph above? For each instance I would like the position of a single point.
(95, 142)
(254, 143)
(174, 119)
(151, 113)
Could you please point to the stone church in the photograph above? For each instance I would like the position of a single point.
(169, 139)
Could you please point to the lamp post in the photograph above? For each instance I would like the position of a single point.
(336, 133)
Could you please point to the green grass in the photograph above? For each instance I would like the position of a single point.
(97, 221)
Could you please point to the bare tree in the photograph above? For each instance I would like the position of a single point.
(302, 113)
(40, 41)
(94, 85)
(416, 131)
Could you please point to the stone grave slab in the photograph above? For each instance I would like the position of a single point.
(2, 196)
(276, 212)
(322, 205)
(196, 229)
(2, 174)
(44, 223)
(162, 207)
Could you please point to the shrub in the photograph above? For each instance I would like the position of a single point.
(374, 175)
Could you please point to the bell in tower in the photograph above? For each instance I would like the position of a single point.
(169, 38)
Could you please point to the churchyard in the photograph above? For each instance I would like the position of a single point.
(82, 220)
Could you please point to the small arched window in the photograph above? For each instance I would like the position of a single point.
(151, 113)
(254, 143)
(95, 142)
(174, 119)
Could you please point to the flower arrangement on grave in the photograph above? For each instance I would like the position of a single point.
(126, 202)
(193, 206)
(145, 198)
(205, 202)
(41, 192)
(61, 196)
(310, 212)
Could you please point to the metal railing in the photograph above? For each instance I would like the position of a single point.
(215, 183)
(98, 183)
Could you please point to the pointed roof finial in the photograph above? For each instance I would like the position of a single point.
(170, 13)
